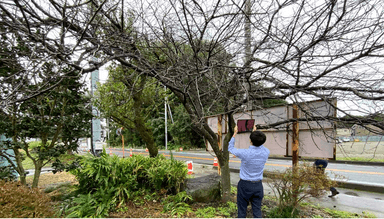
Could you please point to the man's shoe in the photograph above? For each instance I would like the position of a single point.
(334, 193)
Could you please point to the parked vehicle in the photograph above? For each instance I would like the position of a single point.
(343, 139)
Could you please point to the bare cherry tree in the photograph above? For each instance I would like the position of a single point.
(219, 56)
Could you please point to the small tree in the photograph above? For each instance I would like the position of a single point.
(130, 99)
(293, 186)
(53, 116)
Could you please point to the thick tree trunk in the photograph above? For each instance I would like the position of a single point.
(225, 172)
(147, 136)
(225, 180)
(223, 159)
(144, 131)
(36, 177)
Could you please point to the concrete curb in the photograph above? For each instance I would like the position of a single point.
(342, 184)
(334, 161)
(361, 187)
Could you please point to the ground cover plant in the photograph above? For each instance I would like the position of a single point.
(17, 200)
(107, 181)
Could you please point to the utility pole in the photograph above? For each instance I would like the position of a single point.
(247, 32)
(247, 44)
(95, 126)
(165, 119)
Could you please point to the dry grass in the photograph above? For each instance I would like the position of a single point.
(52, 179)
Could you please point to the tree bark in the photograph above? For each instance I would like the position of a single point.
(225, 172)
(19, 167)
(146, 134)
(144, 131)
(225, 179)
(36, 177)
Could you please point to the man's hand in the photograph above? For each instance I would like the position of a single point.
(254, 128)
(235, 130)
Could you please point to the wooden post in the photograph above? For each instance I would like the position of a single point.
(295, 138)
(295, 151)
(219, 137)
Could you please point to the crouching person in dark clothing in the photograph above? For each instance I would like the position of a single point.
(320, 165)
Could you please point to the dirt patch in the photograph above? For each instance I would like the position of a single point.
(146, 210)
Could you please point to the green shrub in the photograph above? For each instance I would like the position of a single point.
(293, 187)
(17, 200)
(108, 181)
(7, 173)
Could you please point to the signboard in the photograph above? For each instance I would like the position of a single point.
(245, 125)
(316, 137)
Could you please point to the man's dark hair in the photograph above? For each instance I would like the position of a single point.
(257, 138)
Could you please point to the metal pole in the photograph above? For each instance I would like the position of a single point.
(165, 118)
(108, 132)
(170, 112)
(92, 148)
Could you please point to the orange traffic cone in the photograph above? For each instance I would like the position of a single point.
(131, 153)
(190, 167)
(181, 149)
(110, 152)
(146, 150)
(215, 164)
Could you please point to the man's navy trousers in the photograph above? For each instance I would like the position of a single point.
(249, 191)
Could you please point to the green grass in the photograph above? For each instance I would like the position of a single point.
(225, 210)
(362, 159)
(28, 163)
(34, 144)
(345, 214)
